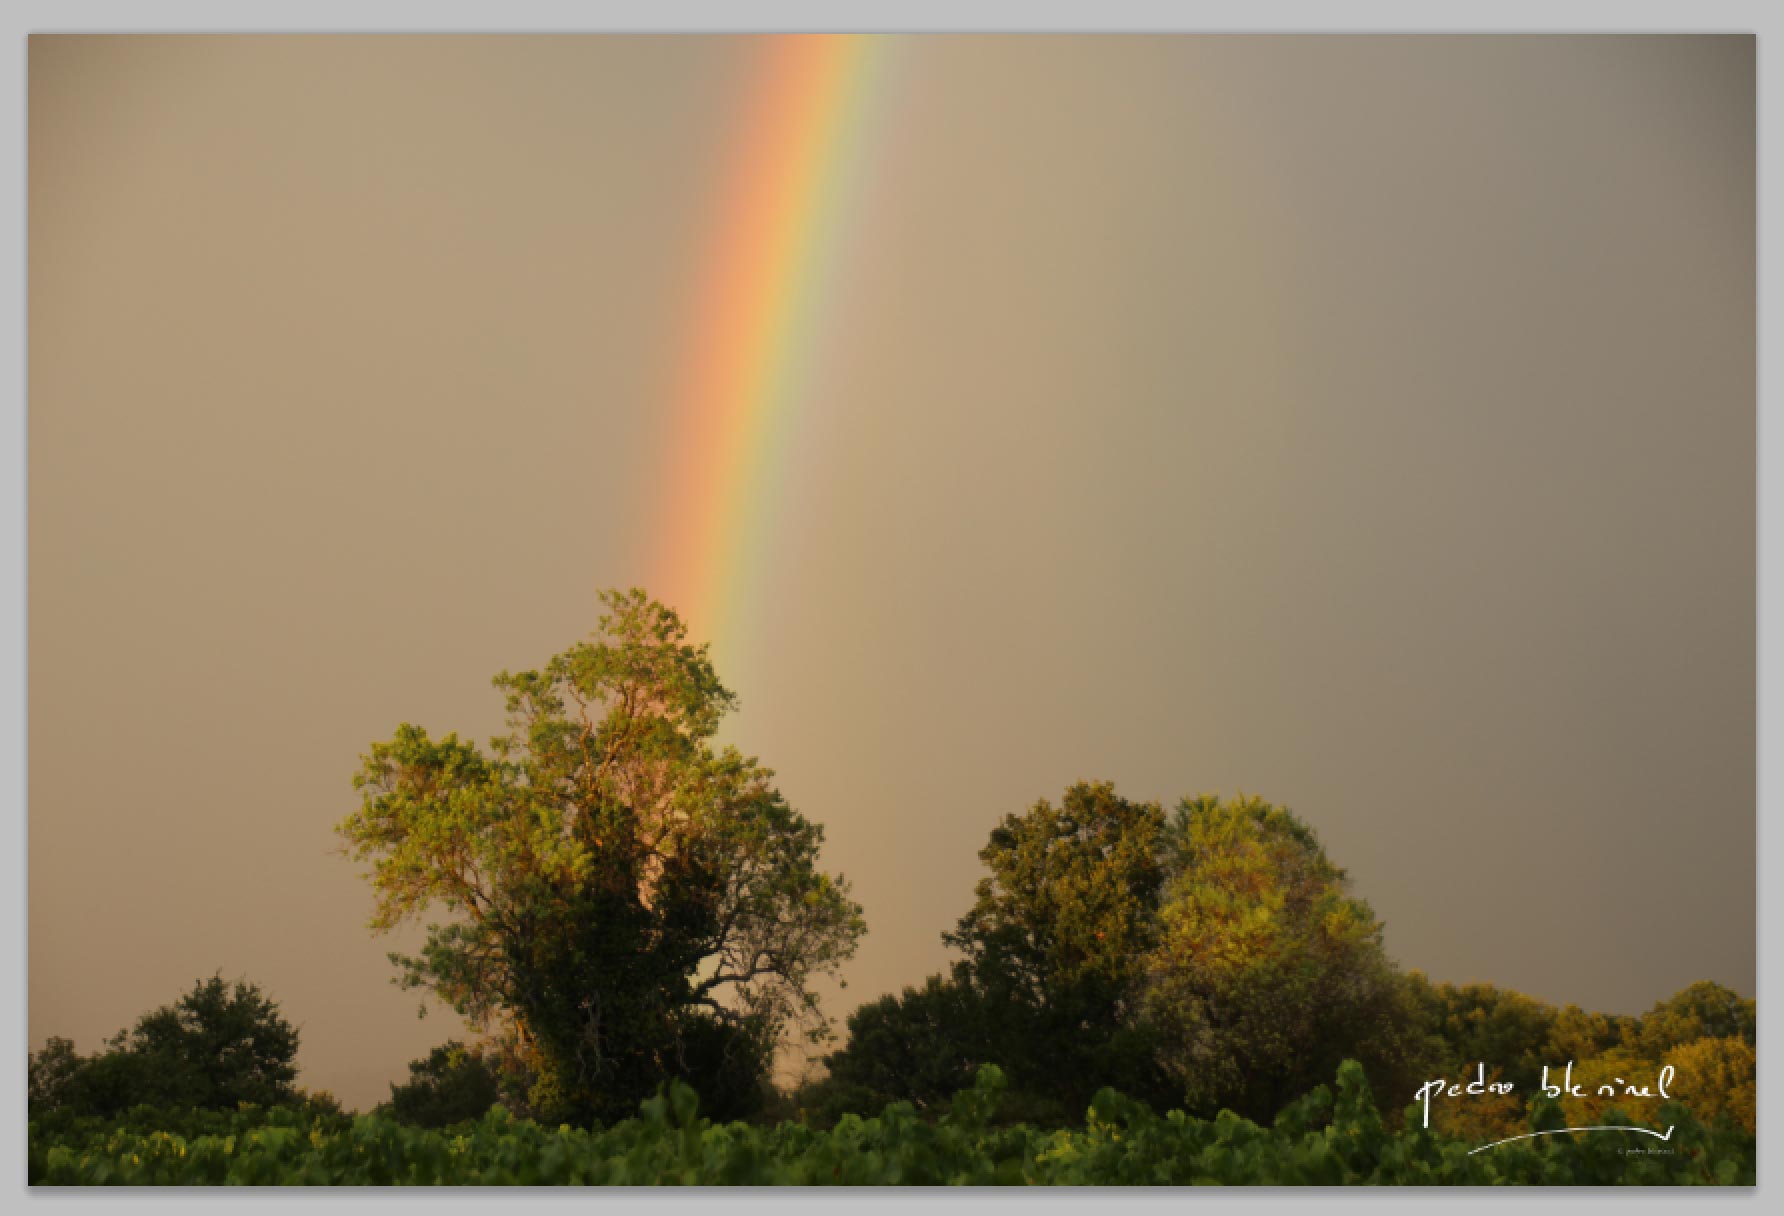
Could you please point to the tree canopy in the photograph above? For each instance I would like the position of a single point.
(1483, 1023)
(450, 1084)
(623, 902)
(1055, 939)
(215, 1048)
(1206, 958)
(1267, 973)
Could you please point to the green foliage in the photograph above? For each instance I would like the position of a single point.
(53, 1077)
(1580, 1034)
(1704, 1032)
(623, 903)
(317, 1103)
(1323, 1139)
(1266, 973)
(1212, 958)
(1055, 943)
(451, 1085)
(1483, 1023)
(189, 1124)
(920, 1047)
(215, 1048)
(1069, 899)
(1701, 1011)
(1241, 972)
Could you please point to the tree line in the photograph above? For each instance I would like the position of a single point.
(613, 903)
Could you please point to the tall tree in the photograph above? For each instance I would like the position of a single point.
(1055, 939)
(1267, 974)
(623, 902)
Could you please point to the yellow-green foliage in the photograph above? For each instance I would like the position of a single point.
(1266, 972)
(1705, 1032)
(1718, 1077)
(604, 855)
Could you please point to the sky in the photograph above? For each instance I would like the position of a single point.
(1366, 423)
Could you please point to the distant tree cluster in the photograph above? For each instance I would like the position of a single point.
(1206, 958)
(218, 1047)
(1213, 959)
(1706, 1032)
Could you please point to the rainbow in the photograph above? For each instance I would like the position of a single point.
(782, 219)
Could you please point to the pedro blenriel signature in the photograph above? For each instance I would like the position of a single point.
(1565, 1087)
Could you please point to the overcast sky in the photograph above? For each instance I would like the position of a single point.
(1364, 423)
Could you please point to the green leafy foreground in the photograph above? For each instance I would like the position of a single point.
(1320, 1140)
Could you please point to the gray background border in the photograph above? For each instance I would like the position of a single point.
(22, 19)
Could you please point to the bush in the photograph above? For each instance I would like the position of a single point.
(451, 1085)
(1326, 1138)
